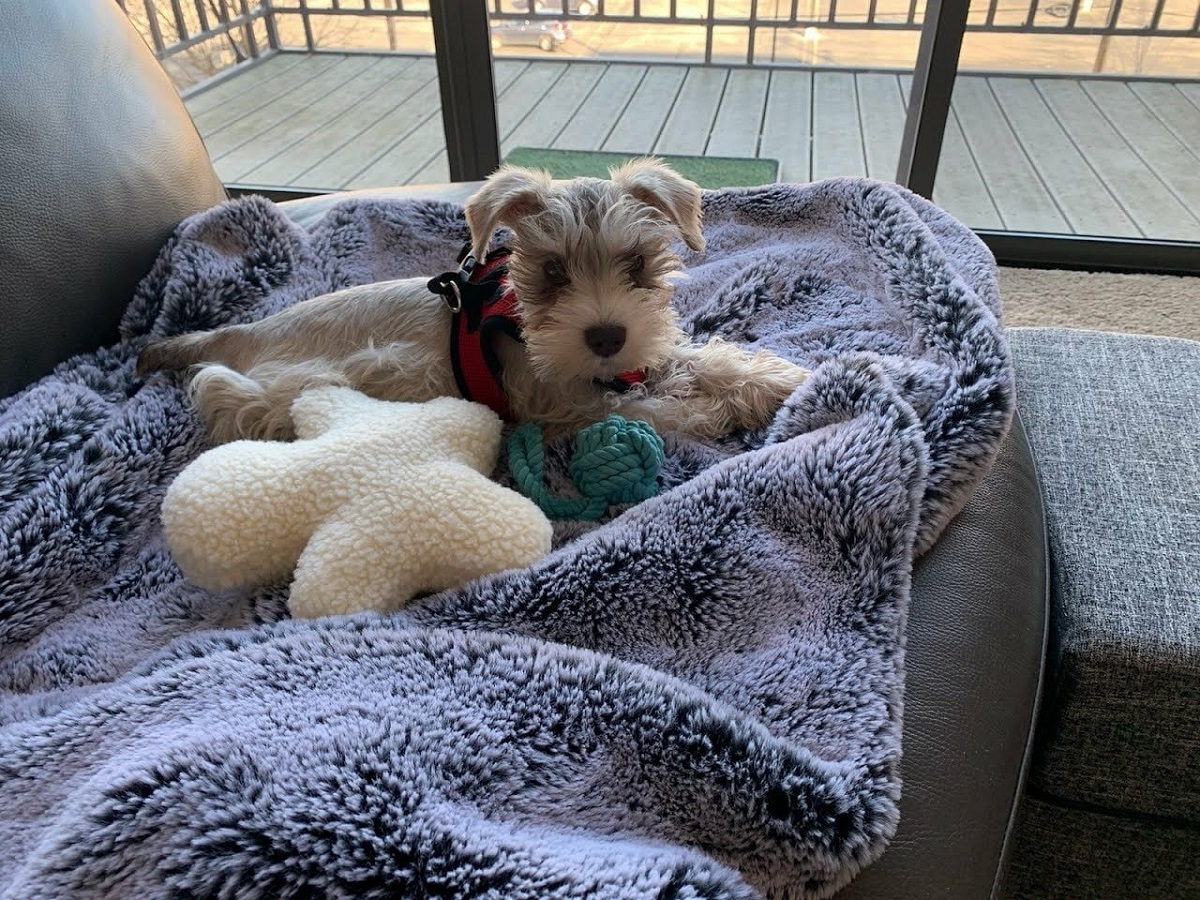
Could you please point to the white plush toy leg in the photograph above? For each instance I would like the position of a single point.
(473, 527)
(225, 538)
(507, 532)
(340, 572)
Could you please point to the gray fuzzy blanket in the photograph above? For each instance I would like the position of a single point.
(700, 697)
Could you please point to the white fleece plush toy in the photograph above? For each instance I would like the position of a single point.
(372, 503)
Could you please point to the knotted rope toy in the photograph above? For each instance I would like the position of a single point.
(615, 461)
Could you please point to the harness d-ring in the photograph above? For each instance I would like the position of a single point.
(451, 285)
(454, 303)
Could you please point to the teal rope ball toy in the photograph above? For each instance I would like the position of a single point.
(615, 461)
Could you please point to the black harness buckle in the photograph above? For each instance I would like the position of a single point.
(462, 294)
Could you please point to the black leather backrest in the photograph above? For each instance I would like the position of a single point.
(99, 160)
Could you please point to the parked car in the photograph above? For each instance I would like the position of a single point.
(581, 7)
(543, 33)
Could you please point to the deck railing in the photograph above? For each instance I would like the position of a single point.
(199, 39)
(230, 32)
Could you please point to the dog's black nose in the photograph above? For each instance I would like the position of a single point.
(605, 340)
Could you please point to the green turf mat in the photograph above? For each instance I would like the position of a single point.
(706, 171)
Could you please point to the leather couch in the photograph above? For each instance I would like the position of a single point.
(100, 160)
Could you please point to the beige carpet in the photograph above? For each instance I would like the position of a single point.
(1139, 304)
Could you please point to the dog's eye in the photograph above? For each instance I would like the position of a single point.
(555, 272)
(635, 270)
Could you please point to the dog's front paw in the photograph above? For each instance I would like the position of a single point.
(786, 377)
(727, 387)
(770, 382)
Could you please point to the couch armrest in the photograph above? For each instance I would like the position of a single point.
(977, 631)
(99, 160)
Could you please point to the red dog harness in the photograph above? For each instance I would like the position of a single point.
(485, 306)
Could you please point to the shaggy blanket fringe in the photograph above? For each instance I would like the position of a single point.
(699, 697)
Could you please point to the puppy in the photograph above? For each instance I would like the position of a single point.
(589, 282)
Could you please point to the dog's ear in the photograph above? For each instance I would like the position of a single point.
(670, 193)
(509, 194)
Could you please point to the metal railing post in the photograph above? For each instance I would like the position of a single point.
(180, 23)
(272, 27)
(390, 21)
(708, 32)
(753, 32)
(307, 20)
(248, 30)
(462, 42)
(932, 90)
(152, 21)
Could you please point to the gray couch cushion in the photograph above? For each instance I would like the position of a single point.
(1068, 853)
(1114, 422)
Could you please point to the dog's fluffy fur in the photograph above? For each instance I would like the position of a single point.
(585, 253)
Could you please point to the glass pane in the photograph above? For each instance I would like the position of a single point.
(730, 92)
(344, 94)
(1064, 122)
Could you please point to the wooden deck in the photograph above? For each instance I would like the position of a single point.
(1062, 155)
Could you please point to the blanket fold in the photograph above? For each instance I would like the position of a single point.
(701, 696)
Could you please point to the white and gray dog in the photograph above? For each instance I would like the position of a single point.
(591, 267)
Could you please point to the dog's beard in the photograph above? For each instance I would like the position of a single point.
(564, 356)
(557, 348)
